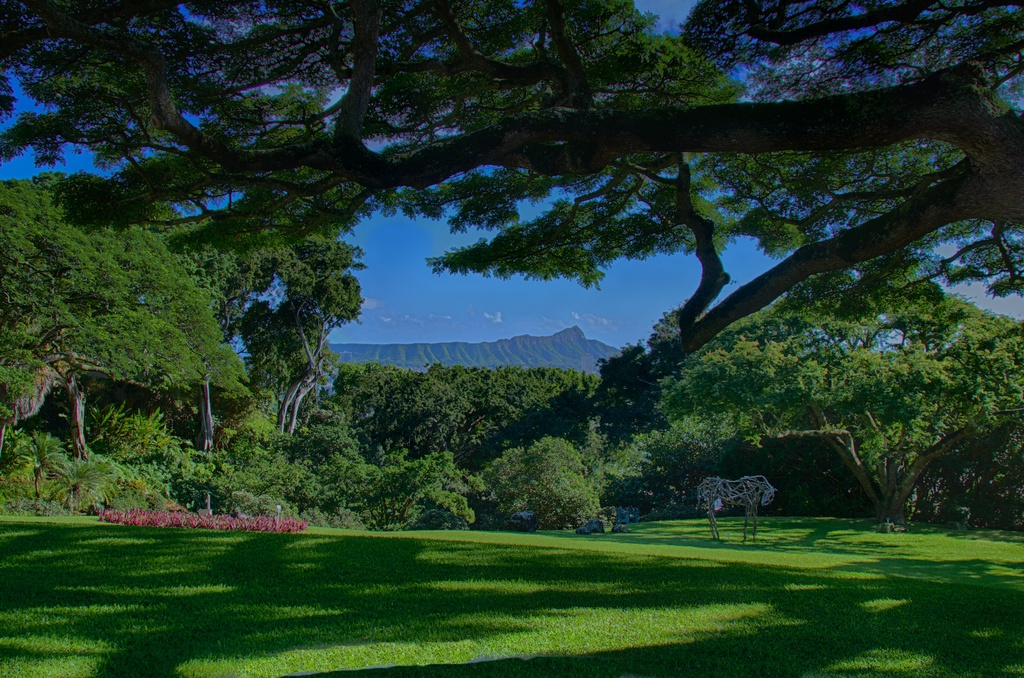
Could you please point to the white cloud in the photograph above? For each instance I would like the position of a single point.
(595, 321)
(395, 320)
(439, 317)
(494, 317)
(369, 303)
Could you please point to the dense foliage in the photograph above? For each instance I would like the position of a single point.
(107, 303)
(548, 478)
(852, 140)
(137, 518)
(890, 393)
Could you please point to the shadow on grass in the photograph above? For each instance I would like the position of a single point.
(797, 535)
(119, 601)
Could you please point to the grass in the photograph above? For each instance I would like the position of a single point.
(813, 597)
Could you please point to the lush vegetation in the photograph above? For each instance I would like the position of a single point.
(200, 521)
(852, 140)
(813, 597)
(164, 338)
(908, 409)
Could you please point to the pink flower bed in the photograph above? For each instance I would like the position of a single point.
(142, 518)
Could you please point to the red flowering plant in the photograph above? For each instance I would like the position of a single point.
(141, 518)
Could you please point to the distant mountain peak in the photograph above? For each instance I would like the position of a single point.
(568, 349)
(570, 332)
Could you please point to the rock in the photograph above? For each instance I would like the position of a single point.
(593, 525)
(620, 527)
(958, 526)
(524, 521)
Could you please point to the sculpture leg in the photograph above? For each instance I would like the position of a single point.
(755, 522)
(746, 517)
(713, 522)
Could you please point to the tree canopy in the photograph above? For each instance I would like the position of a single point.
(851, 140)
(115, 304)
(890, 392)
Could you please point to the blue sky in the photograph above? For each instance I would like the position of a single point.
(406, 303)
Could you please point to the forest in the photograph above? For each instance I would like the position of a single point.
(165, 319)
(137, 375)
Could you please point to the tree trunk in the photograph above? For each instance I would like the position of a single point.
(892, 510)
(285, 406)
(3, 434)
(205, 417)
(293, 415)
(76, 416)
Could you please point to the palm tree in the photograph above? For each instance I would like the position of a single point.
(81, 482)
(43, 455)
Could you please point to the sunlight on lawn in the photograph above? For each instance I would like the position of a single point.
(809, 598)
(548, 632)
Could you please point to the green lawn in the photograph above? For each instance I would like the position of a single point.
(813, 597)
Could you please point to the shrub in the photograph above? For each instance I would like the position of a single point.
(547, 478)
(674, 511)
(438, 519)
(672, 464)
(246, 503)
(139, 518)
(342, 518)
(134, 498)
(394, 491)
(34, 507)
(81, 483)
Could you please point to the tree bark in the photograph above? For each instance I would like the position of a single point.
(76, 416)
(205, 417)
(293, 416)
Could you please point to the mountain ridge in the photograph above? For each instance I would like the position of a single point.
(569, 349)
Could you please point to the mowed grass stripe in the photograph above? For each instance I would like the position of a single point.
(812, 597)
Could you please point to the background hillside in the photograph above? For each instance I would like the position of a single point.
(569, 349)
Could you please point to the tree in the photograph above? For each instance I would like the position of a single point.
(547, 478)
(474, 413)
(392, 491)
(103, 303)
(312, 294)
(890, 393)
(233, 282)
(84, 482)
(856, 139)
(671, 464)
(43, 454)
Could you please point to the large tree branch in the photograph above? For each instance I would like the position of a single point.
(366, 17)
(950, 106)
(713, 277)
(904, 13)
(580, 93)
(473, 59)
(944, 203)
(844, 444)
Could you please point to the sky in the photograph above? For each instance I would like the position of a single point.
(406, 303)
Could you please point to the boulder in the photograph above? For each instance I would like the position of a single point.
(593, 525)
(524, 521)
(620, 527)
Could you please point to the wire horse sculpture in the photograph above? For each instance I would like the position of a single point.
(748, 491)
